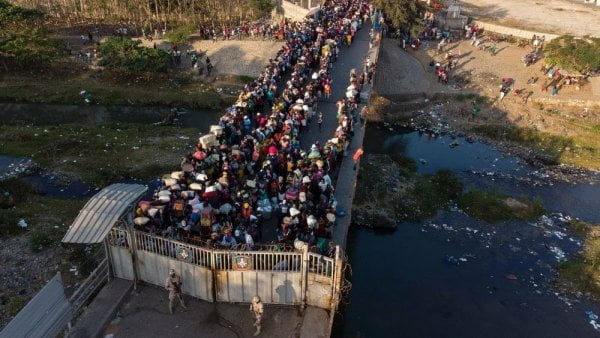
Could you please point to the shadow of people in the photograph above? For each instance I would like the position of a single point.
(286, 293)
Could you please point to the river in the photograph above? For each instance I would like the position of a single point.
(499, 282)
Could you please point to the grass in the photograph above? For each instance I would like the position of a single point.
(492, 206)
(583, 269)
(100, 154)
(431, 193)
(391, 183)
(246, 79)
(108, 88)
(477, 99)
(46, 216)
(15, 304)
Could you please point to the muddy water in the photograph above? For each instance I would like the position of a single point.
(455, 276)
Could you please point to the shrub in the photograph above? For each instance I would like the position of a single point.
(180, 34)
(125, 54)
(23, 39)
(39, 240)
(493, 207)
(15, 304)
(571, 53)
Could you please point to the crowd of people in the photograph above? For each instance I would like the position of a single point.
(251, 167)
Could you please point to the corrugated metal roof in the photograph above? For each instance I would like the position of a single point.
(46, 315)
(101, 212)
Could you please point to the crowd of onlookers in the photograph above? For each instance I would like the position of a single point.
(251, 171)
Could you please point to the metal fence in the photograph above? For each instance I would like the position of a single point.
(90, 286)
(230, 275)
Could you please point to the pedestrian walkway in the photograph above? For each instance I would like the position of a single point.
(146, 314)
(352, 57)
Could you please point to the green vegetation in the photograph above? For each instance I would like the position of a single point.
(429, 194)
(42, 213)
(23, 38)
(110, 89)
(580, 148)
(246, 79)
(127, 55)
(578, 54)
(180, 34)
(262, 6)
(477, 99)
(402, 13)
(15, 304)
(100, 154)
(583, 270)
(493, 207)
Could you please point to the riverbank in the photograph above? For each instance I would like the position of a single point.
(549, 133)
(73, 82)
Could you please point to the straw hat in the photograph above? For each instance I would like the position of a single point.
(175, 187)
(330, 217)
(164, 193)
(169, 181)
(196, 186)
(177, 175)
(141, 220)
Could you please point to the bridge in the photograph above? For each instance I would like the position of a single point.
(308, 281)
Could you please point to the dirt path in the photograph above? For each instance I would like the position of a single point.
(237, 57)
(552, 16)
(399, 73)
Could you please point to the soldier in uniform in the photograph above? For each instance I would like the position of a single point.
(257, 308)
(173, 285)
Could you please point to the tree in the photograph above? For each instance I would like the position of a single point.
(403, 14)
(23, 38)
(126, 55)
(582, 55)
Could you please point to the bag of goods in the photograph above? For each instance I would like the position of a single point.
(216, 130)
(208, 141)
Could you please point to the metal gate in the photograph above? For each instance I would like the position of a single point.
(291, 278)
(274, 276)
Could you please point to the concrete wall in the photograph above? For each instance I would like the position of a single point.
(319, 292)
(524, 34)
(290, 10)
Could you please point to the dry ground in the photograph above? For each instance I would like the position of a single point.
(552, 16)
(238, 57)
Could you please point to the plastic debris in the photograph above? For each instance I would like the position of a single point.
(593, 320)
(558, 253)
(23, 224)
